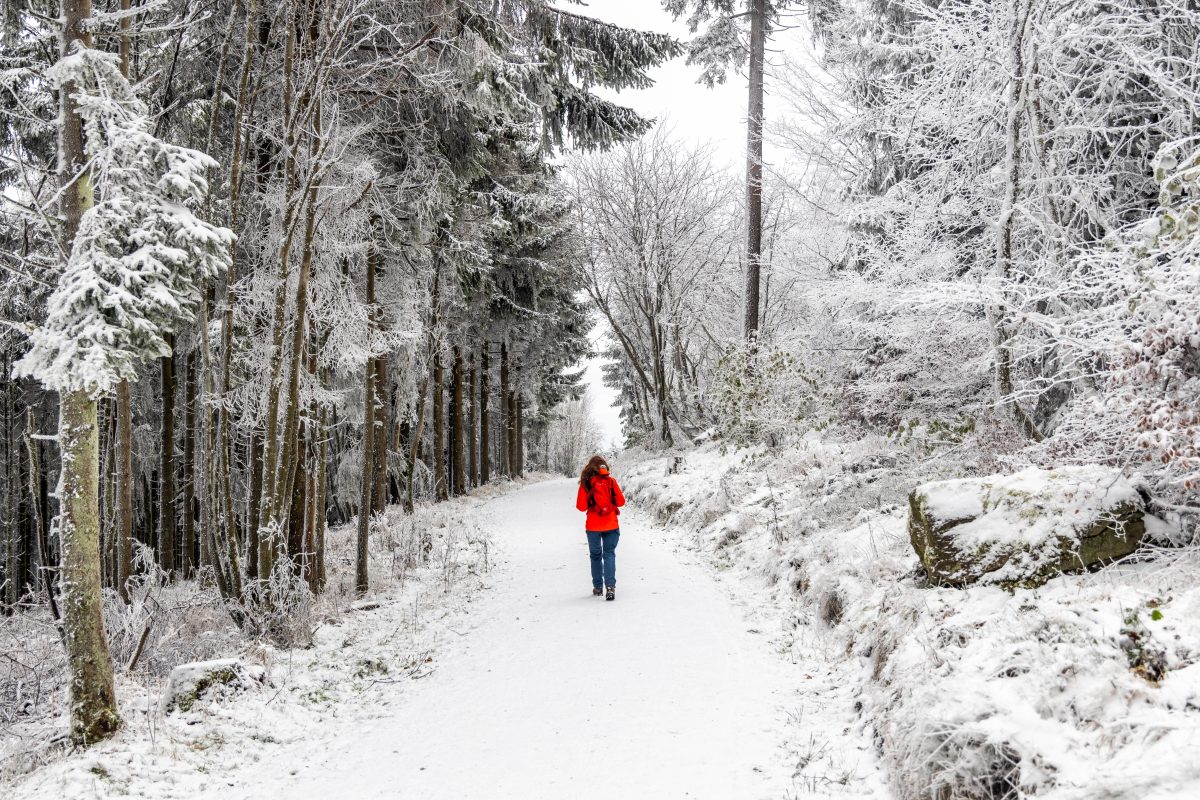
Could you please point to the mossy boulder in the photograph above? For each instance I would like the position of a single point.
(1021, 530)
(188, 683)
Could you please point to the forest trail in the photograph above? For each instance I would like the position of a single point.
(663, 693)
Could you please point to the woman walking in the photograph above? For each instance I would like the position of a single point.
(600, 496)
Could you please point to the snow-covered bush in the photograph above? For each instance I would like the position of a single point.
(1136, 336)
(1085, 687)
(764, 394)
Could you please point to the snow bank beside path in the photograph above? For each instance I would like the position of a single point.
(1087, 687)
(362, 657)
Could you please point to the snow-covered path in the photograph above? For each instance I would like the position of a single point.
(558, 694)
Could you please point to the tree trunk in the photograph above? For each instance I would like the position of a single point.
(440, 489)
(298, 502)
(269, 515)
(519, 434)
(187, 560)
(253, 513)
(485, 437)
(472, 430)
(754, 164)
(124, 499)
(318, 582)
(379, 495)
(93, 702)
(289, 456)
(10, 529)
(368, 456)
(166, 468)
(997, 310)
(506, 422)
(368, 478)
(460, 469)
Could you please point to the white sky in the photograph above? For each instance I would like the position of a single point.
(694, 112)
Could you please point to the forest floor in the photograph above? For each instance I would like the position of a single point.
(519, 684)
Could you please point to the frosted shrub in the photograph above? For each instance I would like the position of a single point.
(764, 395)
(165, 622)
(281, 608)
(1137, 338)
(32, 668)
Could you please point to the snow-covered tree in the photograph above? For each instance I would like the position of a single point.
(135, 259)
(140, 256)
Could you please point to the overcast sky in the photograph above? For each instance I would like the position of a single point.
(694, 112)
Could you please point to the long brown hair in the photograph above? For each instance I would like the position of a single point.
(591, 470)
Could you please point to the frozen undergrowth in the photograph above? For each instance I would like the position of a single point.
(1084, 688)
(344, 669)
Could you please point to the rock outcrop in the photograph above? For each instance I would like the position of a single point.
(1026, 528)
(188, 683)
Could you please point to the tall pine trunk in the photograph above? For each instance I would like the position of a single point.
(124, 498)
(379, 495)
(440, 489)
(506, 459)
(187, 559)
(166, 467)
(519, 434)
(754, 164)
(459, 461)
(93, 701)
(472, 423)
(485, 435)
(368, 456)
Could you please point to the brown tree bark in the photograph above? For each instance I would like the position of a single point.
(187, 556)
(459, 460)
(166, 468)
(519, 435)
(485, 437)
(506, 422)
(754, 164)
(93, 702)
(379, 495)
(124, 498)
(440, 489)
(472, 425)
(368, 481)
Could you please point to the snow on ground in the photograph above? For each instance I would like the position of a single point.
(358, 666)
(515, 683)
(556, 693)
(1085, 688)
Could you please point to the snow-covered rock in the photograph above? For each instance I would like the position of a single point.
(1026, 528)
(190, 682)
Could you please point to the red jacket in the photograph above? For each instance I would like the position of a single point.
(607, 493)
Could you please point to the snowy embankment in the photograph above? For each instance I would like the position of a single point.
(352, 664)
(1084, 688)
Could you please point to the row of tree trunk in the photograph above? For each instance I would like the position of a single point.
(151, 500)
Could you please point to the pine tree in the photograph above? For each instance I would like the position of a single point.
(718, 49)
(137, 256)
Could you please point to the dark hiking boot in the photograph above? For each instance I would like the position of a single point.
(597, 592)
(611, 594)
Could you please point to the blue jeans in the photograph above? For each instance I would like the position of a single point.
(602, 546)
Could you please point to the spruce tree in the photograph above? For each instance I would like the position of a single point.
(137, 256)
